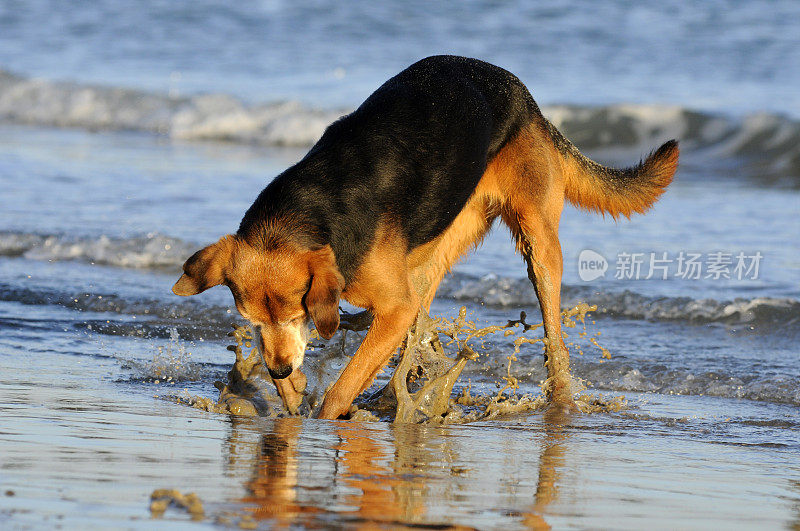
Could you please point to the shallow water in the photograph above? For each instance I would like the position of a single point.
(130, 137)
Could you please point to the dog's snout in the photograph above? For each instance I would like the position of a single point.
(281, 372)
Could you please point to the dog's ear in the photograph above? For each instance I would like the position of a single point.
(322, 299)
(204, 269)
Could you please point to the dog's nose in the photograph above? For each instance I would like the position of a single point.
(281, 372)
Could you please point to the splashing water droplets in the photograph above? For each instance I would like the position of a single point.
(421, 387)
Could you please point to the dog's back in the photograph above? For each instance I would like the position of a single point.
(414, 150)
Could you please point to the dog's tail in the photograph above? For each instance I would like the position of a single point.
(592, 186)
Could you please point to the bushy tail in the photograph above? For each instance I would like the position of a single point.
(614, 191)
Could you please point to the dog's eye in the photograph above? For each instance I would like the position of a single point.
(302, 291)
(294, 321)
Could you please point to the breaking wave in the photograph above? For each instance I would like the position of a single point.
(513, 292)
(36, 101)
(769, 140)
(144, 252)
(624, 376)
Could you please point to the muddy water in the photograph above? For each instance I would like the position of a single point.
(422, 378)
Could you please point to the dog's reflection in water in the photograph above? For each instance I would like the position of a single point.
(273, 487)
(366, 478)
(368, 483)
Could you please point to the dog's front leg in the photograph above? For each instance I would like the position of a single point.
(388, 329)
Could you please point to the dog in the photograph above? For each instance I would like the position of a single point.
(392, 195)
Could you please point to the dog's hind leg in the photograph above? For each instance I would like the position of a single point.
(530, 179)
(537, 241)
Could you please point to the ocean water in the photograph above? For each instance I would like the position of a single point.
(131, 135)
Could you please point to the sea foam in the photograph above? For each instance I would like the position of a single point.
(622, 130)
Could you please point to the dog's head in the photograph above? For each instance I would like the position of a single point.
(278, 290)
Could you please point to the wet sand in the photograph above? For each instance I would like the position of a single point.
(78, 449)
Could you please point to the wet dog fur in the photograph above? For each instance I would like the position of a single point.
(392, 196)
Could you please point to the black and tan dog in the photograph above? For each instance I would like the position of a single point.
(392, 196)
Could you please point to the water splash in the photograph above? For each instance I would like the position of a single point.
(421, 386)
(171, 363)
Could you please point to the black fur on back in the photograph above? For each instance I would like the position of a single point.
(414, 151)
